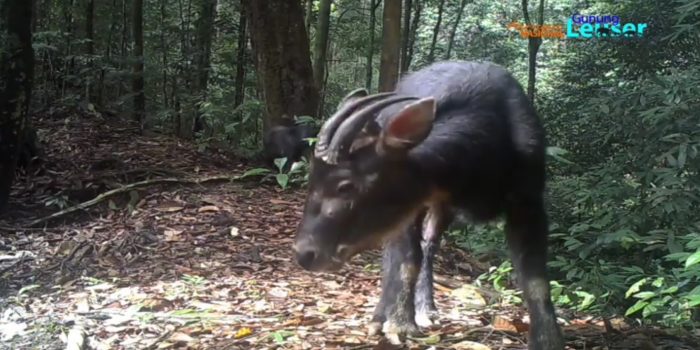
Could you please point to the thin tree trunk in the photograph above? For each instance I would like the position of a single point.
(436, 31)
(414, 32)
(453, 32)
(16, 74)
(288, 87)
(533, 46)
(89, 27)
(309, 16)
(68, 65)
(391, 45)
(138, 83)
(90, 45)
(370, 49)
(406, 36)
(240, 58)
(320, 48)
(164, 48)
(108, 54)
(125, 38)
(205, 32)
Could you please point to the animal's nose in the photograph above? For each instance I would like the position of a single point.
(306, 253)
(306, 258)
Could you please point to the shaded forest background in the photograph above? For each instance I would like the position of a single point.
(621, 114)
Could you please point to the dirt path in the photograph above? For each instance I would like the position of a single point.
(181, 265)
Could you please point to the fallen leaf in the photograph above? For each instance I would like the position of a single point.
(278, 293)
(171, 209)
(503, 324)
(469, 295)
(180, 337)
(470, 345)
(10, 330)
(172, 235)
(208, 208)
(243, 332)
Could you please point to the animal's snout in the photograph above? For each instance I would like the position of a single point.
(306, 254)
(313, 256)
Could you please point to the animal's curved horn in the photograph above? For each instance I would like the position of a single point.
(343, 137)
(329, 127)
(353, 95)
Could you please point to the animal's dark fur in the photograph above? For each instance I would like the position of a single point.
(475, 145)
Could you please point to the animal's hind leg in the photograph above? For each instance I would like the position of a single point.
(434, 224)
(526, 232)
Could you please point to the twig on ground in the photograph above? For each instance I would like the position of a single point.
(124, 189)
(155, 343)
(466, 336)
(19, 261)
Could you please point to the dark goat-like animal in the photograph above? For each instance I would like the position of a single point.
(287, 142)
(453, 137)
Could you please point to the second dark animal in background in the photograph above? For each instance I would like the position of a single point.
(288, 142)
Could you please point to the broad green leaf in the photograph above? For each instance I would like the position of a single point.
(670, 290)
(634, 288)
(253, 172)
(636, 307)
(645, 295)
(280, 162)
(693, 300)
(692, 259)
(282, 180)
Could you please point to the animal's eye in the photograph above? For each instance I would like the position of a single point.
(345, 187)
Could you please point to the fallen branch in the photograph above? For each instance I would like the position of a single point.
(123, 189)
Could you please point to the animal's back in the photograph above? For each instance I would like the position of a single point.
(486, 141)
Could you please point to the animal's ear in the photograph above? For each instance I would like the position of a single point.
(352, 96)
(409, 127)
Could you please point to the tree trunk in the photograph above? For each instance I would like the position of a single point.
(436, 31)
(370, 49)
(391, 45)
(406, 36)
(89, 45)
(17, 73)
(533, 46)
(414, 32)
(205, 31)
(89, 27)
(107, 54)
(277, 26)
(309, 16)
(137, 83)
(239, 94)
(451, 40)
(321, 46)
(164, 59)
(69, 64)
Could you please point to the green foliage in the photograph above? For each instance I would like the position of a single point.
(624, 184)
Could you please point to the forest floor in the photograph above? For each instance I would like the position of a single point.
(196, 261)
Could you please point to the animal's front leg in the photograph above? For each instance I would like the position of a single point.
(401, 264)
(434, 224)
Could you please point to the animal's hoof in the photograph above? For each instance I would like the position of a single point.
(374, 328)
(396, 332)
(426, 318)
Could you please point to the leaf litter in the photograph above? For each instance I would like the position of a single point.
(209, 265)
